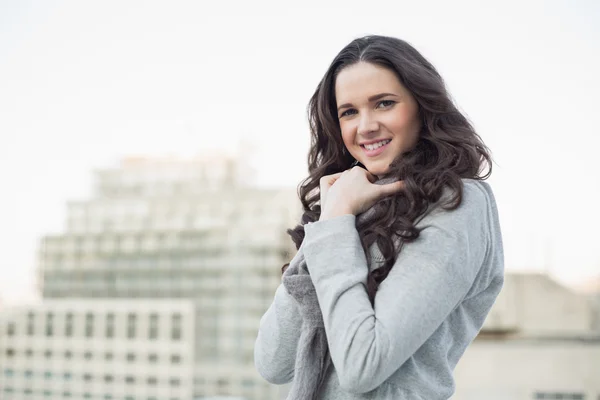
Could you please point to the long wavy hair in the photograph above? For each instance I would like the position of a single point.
(448, 149)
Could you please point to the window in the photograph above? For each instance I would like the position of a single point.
(175, 382)
(110, 325)
(152, 358)
(28, 373)
(10, 329)
(10, 353)
(152, 381)
(9, 372)
(87, 377)
(108, 396)
(69, 325)
(130, 379)
(30, 324)
(87, 355)
(153, 327)
(130, 357)
(49, 324)
(67, 375)
(176, 326)
(68, 354)
(175, 358)
(89, 325)
(131, 319)
(48, 354)
(108, 378)
(48, 375)
(108, 356)
(247, 383)
(29, 353)
(558, 396)
(66, 393)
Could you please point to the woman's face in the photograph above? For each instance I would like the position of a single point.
(378, 116)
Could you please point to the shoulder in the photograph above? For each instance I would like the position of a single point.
(475, 214)
(478, 192)
(477, 198)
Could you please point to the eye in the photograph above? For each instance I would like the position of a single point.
(386, 103)
(346, 112)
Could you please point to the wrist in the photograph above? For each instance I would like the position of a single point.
(329, 214)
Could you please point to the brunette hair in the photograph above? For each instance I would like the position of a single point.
(448, 149)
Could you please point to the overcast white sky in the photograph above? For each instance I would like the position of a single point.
(83, 83)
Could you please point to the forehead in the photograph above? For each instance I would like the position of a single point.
(362, 80)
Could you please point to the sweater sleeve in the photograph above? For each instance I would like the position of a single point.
(277, 340)
(429, 279)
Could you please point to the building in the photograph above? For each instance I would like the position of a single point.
(189, 237)
(90, 349)
(540, 341)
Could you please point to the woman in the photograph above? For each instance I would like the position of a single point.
(400, 252)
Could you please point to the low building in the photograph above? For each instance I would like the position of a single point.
(540, 341)
(98, 349)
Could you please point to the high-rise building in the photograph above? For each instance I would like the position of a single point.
(163, 244)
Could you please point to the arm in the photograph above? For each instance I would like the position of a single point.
(278, 334)
(429, 279)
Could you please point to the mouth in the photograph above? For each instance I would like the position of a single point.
(375, 149)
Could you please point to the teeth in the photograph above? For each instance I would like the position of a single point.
(376, 145)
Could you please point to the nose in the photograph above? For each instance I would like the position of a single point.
(367, 124)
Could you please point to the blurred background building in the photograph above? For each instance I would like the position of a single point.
(541, 340)
(155, 289)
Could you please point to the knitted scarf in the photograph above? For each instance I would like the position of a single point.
(312, 354)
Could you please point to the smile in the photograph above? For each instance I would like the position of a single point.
(372, 150)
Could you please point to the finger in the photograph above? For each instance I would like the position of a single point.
(391, 188)
(324, 184)
(330, 179)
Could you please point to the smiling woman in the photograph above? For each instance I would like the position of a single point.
(400, 254)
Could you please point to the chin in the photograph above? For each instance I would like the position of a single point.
(377, 171)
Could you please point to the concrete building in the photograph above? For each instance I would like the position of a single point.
(540, 341)
(90, 349)
(161, 230)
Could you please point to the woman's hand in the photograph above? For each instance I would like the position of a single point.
(352, 192)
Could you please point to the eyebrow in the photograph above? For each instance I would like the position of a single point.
(372, 98)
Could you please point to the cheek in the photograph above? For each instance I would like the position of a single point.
(347, 135)
(403, 124)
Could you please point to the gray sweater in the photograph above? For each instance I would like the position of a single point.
(427, 311)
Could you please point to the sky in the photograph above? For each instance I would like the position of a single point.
(83, 84)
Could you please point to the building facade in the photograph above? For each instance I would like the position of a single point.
(90, 349)
(187, 232)
(540, 341)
